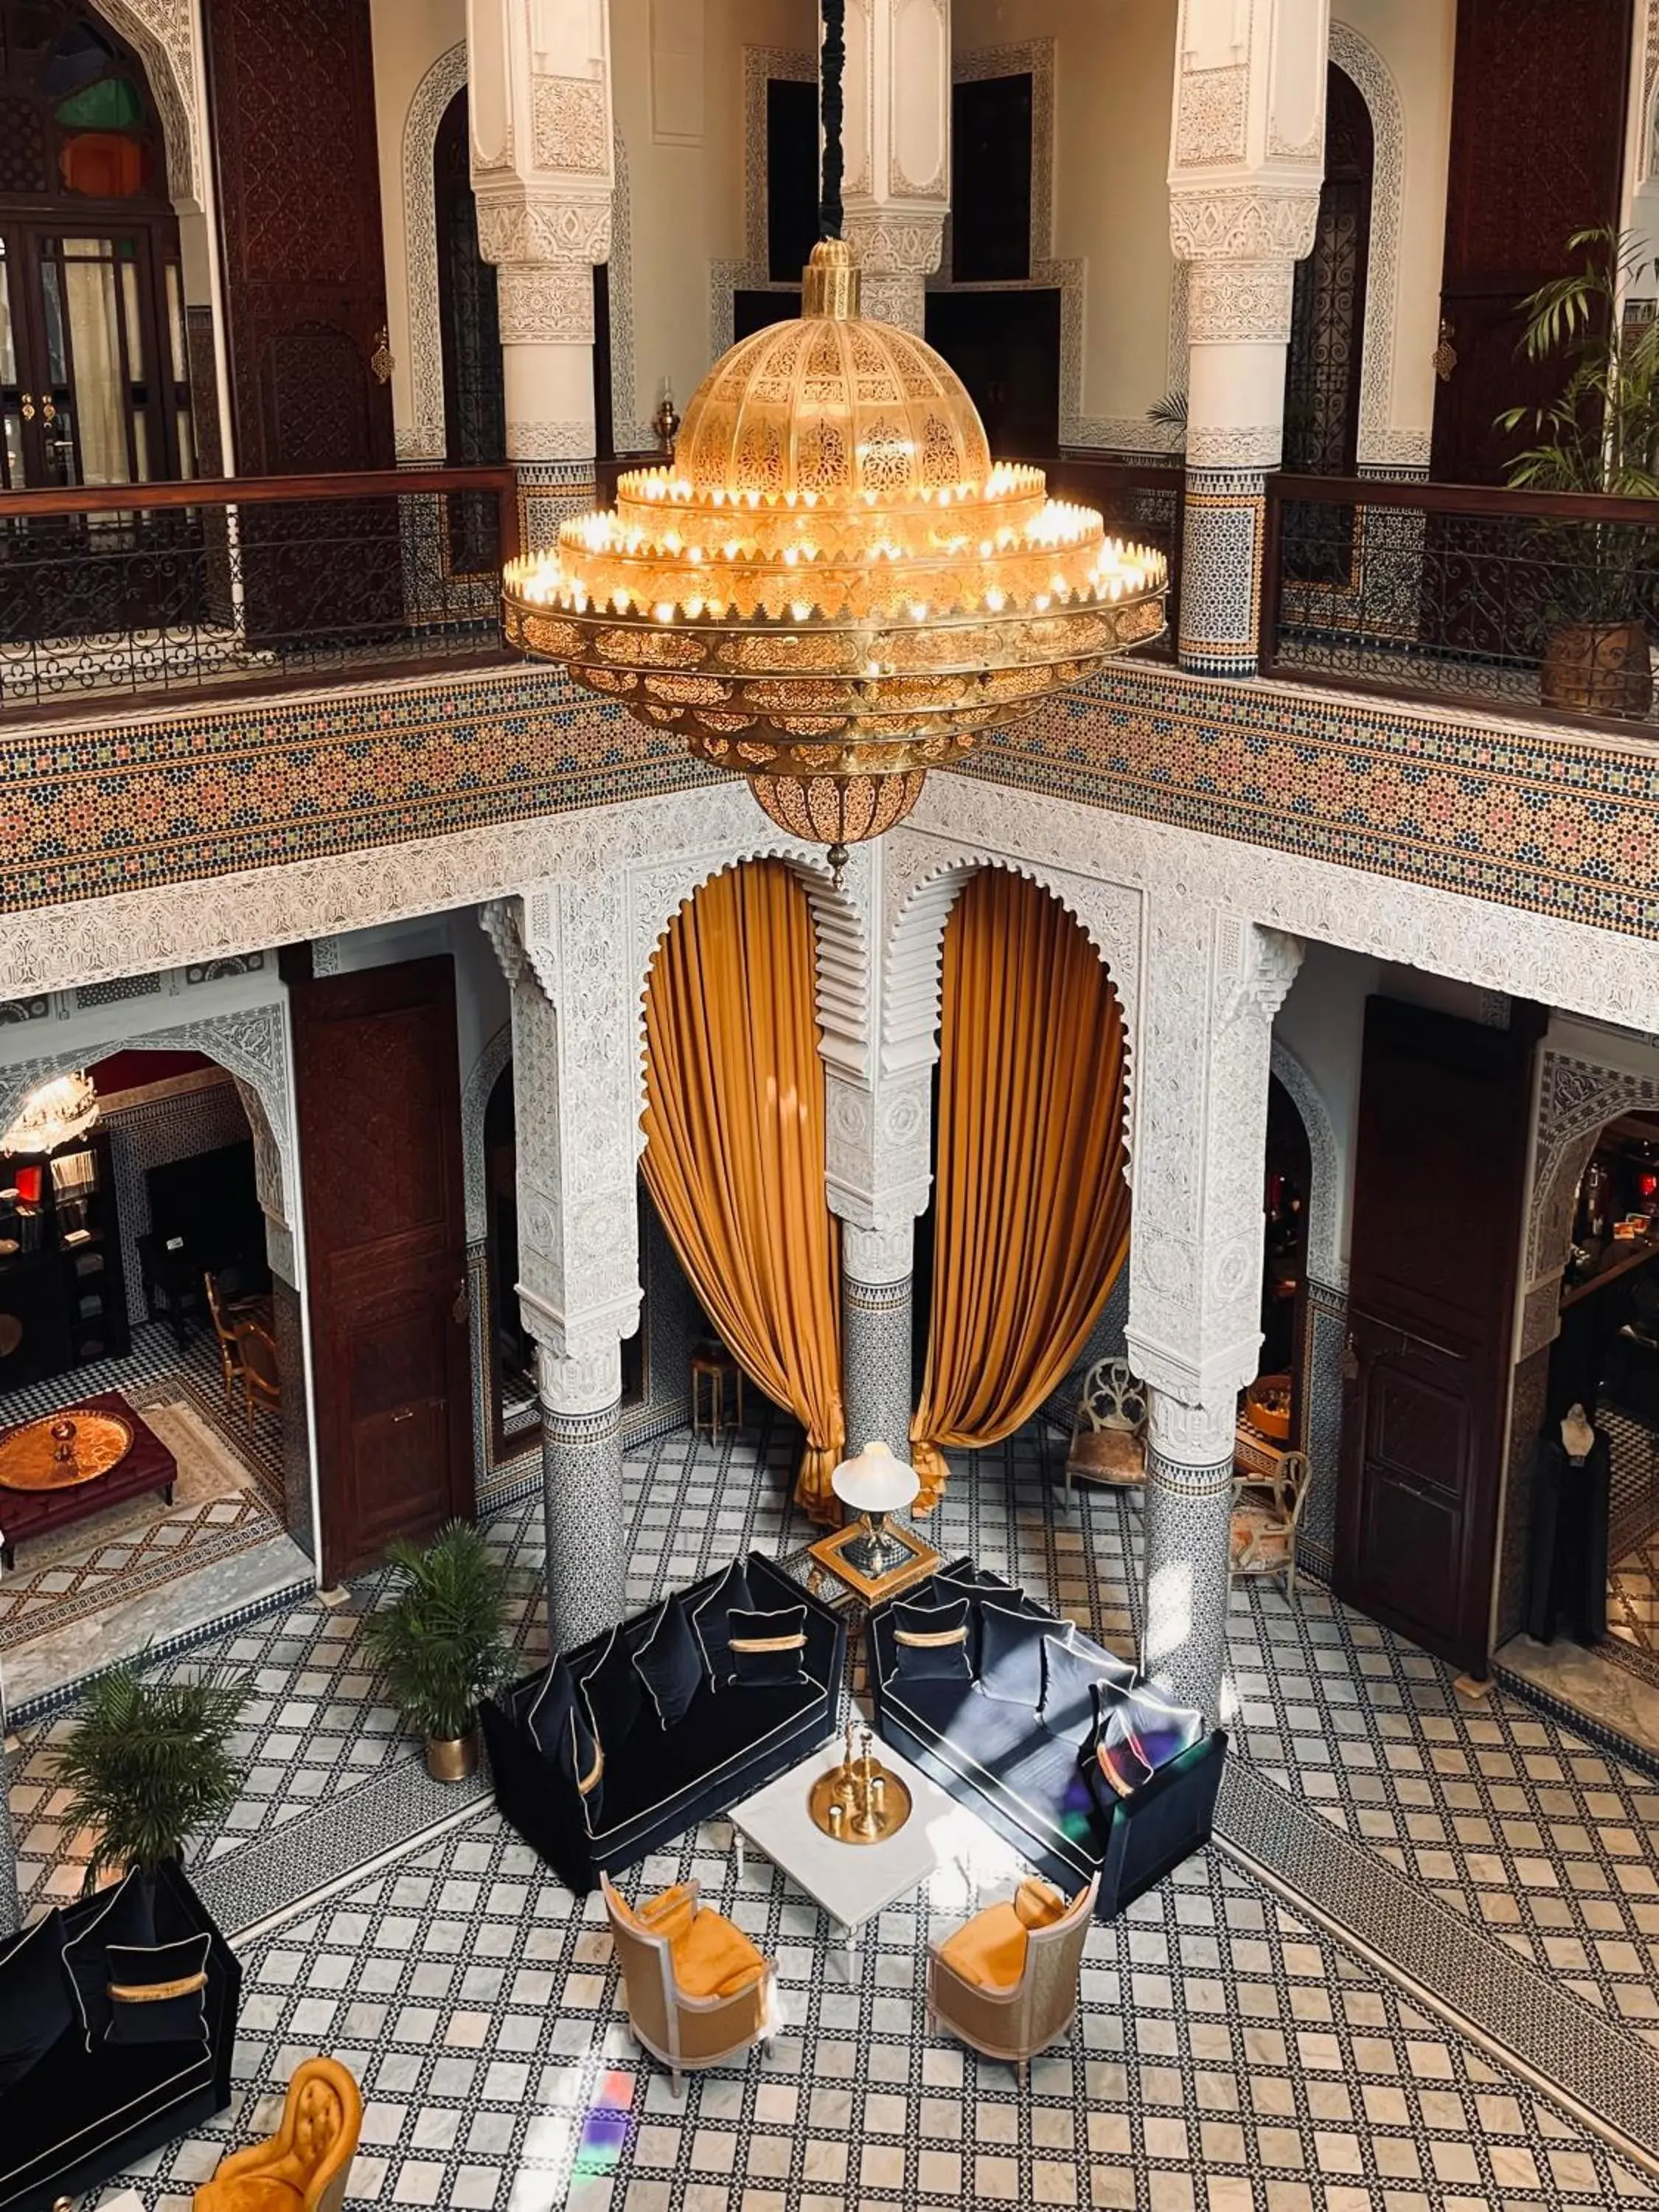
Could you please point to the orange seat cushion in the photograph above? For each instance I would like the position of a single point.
(713, 1959)
(988, 1950)
(1039, 1903)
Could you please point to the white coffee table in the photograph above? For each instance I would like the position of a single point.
(853, 1882)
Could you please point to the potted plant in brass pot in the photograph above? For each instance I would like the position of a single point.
(146, 1764)
(441, 1641)
(1600, 434)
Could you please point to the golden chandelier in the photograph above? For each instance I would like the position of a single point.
(834, 588)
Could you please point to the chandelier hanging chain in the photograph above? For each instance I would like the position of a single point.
(831, 110)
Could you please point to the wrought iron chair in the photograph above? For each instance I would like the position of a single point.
(305, 2166)
(698, 1992)
(1108, 1443)
(1005, 1983)
(1266, 1515)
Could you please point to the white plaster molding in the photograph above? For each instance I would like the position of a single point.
(1581, 1088)
(427, 108)
(1380, 443)
(1325, 1263)
(789, 65)
(1187, 1436)
(1263, 221)
(877, 1255)
(481, 1080)
(163, 35)
(588, 1383)
(630, 432)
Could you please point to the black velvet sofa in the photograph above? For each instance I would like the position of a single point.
(659, 1781)
(75, 2117)
(1026, 1780)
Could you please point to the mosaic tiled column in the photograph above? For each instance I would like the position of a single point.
(1221, 571)
(1188, 1519)
(876, 1322)
(582, 1495)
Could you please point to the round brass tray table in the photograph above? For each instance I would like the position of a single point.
(63, 1450)
(894, 1812)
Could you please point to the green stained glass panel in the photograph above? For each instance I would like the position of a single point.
(111, 105)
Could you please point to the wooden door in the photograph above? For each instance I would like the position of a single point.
(291, 84)
(1539, 92)
(1439, 1169)
(377, 1089)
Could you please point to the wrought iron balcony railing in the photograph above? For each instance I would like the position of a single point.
(1536, 603)
(167, 589)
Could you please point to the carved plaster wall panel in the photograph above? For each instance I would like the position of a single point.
(423, 438)
(1212, 116)
(164, 34)
(1325, 1262)
(570, 125)
(1243, 223)
(753, 273)
(481, 1079)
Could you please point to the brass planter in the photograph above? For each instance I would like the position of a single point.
(1598, 668)
(453, 1759)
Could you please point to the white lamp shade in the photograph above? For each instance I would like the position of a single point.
(873, 1481)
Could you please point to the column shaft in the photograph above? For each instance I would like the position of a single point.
(876, 1363)
(1188, 1519)
(582, 1509)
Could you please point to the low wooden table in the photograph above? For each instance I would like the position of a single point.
(147, 1464)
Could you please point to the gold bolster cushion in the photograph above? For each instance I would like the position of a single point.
(156, 1992)
(767, 1643)
(933, 1639)
(1039, 1903)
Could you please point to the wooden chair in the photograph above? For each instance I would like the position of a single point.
(1266, 1515)
(305, 2166)
(1005, 1983)
(224, 1333)
(713, 1363)
(1108, 1443)
(698, 1992)
(262, 1378)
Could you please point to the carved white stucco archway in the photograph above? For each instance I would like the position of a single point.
(1325, 1263)
(1578, 1095)
(1381, 445)
(162, 33)
(252, 1047)
(481, 1080)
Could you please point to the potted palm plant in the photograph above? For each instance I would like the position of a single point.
(441, 1641)
(1600, 434)
(146, 1764)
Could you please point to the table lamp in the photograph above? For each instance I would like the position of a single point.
(875, 1484)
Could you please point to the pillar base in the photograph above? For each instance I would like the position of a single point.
(876, 1321)
(1188, 1538)
(582, 1508)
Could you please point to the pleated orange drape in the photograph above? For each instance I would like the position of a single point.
(1032, 1210)
(735, 1143)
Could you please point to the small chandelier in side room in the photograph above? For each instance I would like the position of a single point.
(833, 588)
(54, 1114)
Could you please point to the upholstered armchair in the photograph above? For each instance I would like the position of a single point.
(305, 2166)
(1109, 1440)
(698, 1991)
(1005, 1983)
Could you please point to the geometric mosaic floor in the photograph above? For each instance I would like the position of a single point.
(1244, 2046)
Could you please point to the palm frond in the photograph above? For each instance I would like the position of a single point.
(440, 1642)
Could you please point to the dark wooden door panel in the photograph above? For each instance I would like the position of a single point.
(378, 1089)
(1539, 93)
(1437, 1203)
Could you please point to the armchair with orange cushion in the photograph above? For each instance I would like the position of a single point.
(698, 1991)
(1005, 1983)
(304, 2167)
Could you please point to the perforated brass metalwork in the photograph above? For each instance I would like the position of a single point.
(834, 583)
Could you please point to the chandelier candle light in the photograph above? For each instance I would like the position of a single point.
(833, 588)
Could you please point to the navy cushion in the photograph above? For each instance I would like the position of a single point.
(559, 1727)
(1011, 1652)
(709, 1622)
(612, 1693)
(128, 1918)
(767, 1648)
(151, 2018)
(1136, 1731)
(930, 1643)
(1070, 1673)
(669, 1663)
(35, 2005)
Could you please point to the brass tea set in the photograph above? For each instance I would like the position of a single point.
(860, 1801)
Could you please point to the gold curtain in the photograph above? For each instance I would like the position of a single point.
(735, 1143)
(1030, 1210)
